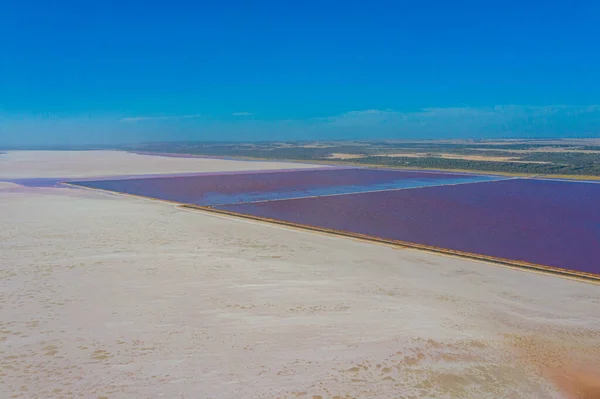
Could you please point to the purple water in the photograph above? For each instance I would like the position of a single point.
(55, 181)
(249, 187)
(196, 174)
(545, 222)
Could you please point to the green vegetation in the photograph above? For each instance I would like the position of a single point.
(546, 157)
(567, 158)
(255, 150)
(592, 169)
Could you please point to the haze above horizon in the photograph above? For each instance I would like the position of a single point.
(80, 72)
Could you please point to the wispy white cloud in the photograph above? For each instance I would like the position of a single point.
(242, 114)
(153, 118)
(468, 121)
(506, 121)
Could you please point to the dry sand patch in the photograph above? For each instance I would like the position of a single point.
(465, 157)
(109, 296)
(338, 155)
(453, 156)
(106, 296)
(30, 164)
(9, 186)
(540, 149)
(438, 155)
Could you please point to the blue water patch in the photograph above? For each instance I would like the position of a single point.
(213, 198)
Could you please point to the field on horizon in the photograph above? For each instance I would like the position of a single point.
(552, 157)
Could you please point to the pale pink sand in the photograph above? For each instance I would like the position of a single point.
(29, 164)
(9, 186)
(124, 298)
(108, 296)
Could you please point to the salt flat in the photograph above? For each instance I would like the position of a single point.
(30, 164)
(115, 297)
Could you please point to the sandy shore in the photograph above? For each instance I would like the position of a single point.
(105, 296)
(32, 164)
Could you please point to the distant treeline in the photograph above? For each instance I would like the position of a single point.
(256, 151)
(570, 158)
(590, 169)
(374, 153)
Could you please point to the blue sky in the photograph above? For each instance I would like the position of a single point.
(120, 71)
